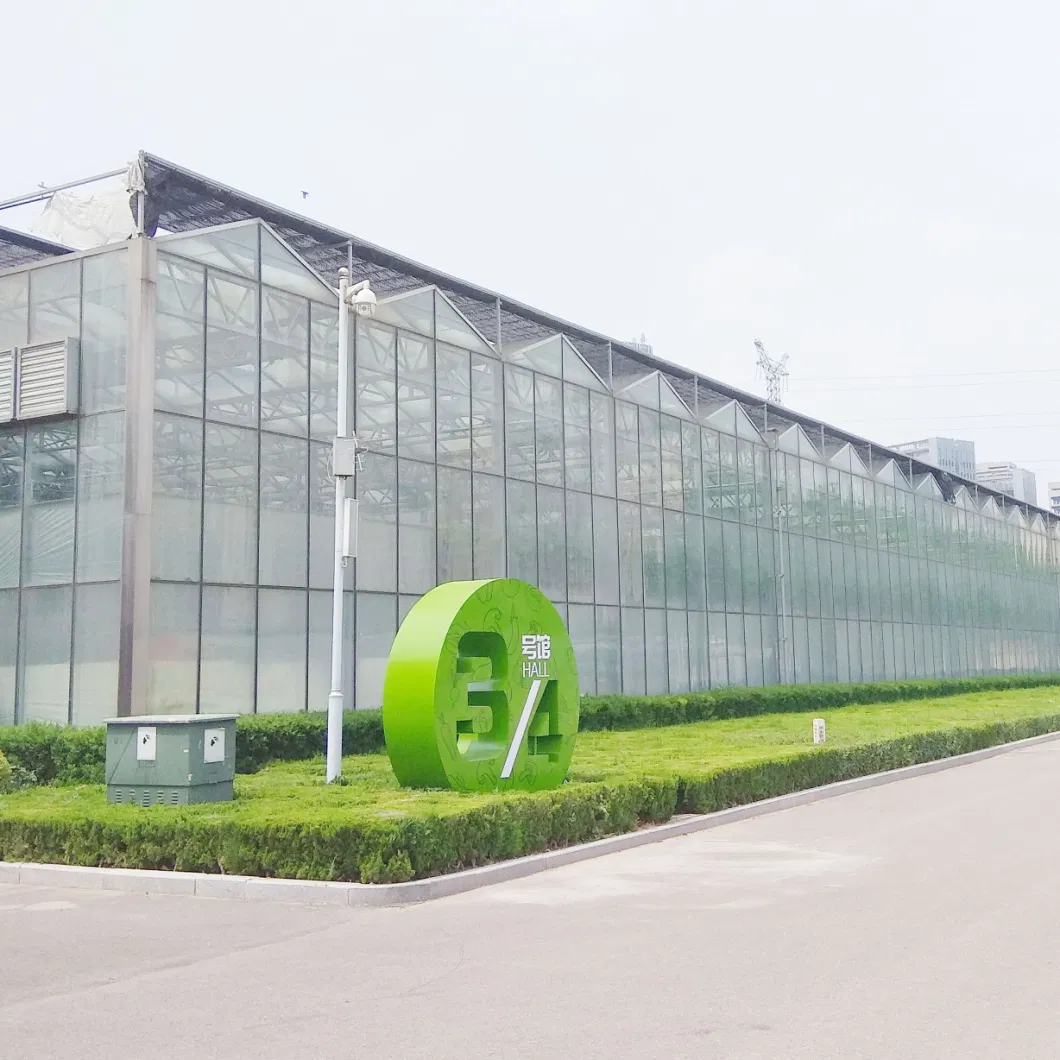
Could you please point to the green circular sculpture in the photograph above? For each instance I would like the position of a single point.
(481, 690)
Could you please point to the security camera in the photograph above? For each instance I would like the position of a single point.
(363, 302)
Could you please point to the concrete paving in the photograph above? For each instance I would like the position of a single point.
(915, 920)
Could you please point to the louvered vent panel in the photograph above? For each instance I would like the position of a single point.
(47, 382)
(7, 385)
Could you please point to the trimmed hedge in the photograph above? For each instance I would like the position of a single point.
(339, 846)
(63, 755)
(644, 712)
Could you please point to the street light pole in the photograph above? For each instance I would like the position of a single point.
(343, 466)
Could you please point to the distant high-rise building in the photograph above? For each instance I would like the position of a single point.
(950, 454)
(1006, 477)
(1054, 497)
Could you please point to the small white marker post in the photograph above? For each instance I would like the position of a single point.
(818, 730)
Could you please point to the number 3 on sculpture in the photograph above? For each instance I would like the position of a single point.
(481, 690)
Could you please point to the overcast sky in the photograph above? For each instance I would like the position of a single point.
(870, 188)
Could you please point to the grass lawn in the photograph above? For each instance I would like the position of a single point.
(296, 790)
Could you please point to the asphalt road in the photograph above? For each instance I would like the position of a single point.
(919, 919)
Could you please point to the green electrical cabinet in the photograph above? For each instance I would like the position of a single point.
(171, 760)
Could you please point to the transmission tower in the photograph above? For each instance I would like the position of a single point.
(774, 372)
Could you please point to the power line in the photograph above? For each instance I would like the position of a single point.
(921, 386)
(927, 375)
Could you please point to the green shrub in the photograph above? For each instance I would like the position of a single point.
(5, 776)
(339, 844)
(60, 755)
(642, 712)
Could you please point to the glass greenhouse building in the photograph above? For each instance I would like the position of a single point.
(167, 406)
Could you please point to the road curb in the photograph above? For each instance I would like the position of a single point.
(360, 895)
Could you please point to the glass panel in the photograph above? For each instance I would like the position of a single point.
(103, 332)
(544, 356)
(177, 501)
(413, 310)
(672, 471)
(100, 472)
(674, 536)
(753, 642)
(376, 414)
(234, 248)
(522, 531)
(749, 566)
(48, 551)
(173, 649)
(633, 651)
(677, 647)
(736, 650)
(227, 678)
(376, 627)
(651, 525)
(551, 543)
(416, 534)
(378, 524)
(487, 414)
(577, 370)
(644, 391)
(180, 339)
(231, 350)
(454, 406)
(715, 565)
(602, 431)
(488, 535)
(650, 459)
(14, 310)
(322, 519)
(230, 493)
(745, 473)
(405, 605)
(579, 548)
(8, 654)
(284, 511)
(712, 484)
(627, 451)
(549, 430)
(323, 370)
(691, 468)
(454, 525)
(608, 656)
(658, 669)
(729, 481)
(55, 302)
(452, 327)
(12, 461)
(97, 621)
(282, 649)
(284, 363)
(631, 570)
(415, 396)
(695, 564)
(744, 427)
(281, 268)
(670, 402)
(605, 550)
(577, 466)
(733, 568)
(698, 657)
(44, 652)
(581, 625)
(718, 649)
